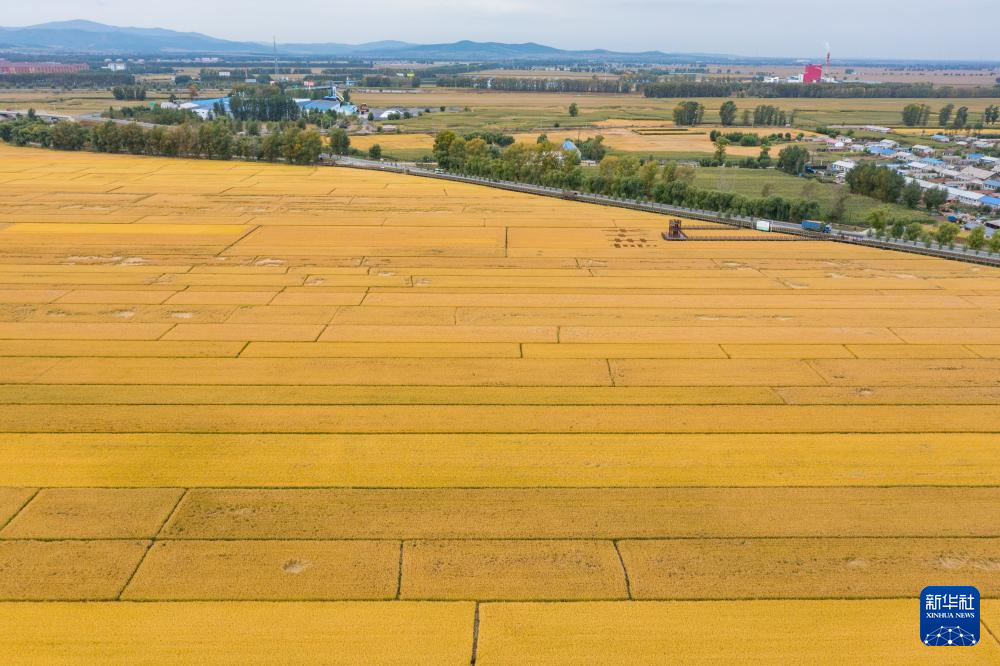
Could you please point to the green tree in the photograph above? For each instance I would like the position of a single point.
(720, 150)
(793, 160)
(688, 113)
(838, 209)
(442, 146)
(898, 228)
(727, 113)
(977, 239)
(874, 181)
(913, 114)
(878, 220)
(340, 143)
(935, 197)
(946, 234)
(68, 136)
(994, 245)
(574, 110)
(961, 117)
(912, 193)
(764, 159)
(375, 152)
(944, 115)
(913, 231)
(302, 146)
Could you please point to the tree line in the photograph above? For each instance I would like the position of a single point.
(68, 80)
(750, 139)
(137, 93)
(268, 103)
(156, 115)
(215, 139)
(544, 163)
(692, 113)
(685, 88)
(918, 115)
(591, 85)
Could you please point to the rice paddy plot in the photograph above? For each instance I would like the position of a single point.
(249, 408)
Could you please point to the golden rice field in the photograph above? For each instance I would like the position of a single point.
(634, 136)
(258, 413)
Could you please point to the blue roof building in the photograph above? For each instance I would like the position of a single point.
(992, 202)
(881, 150)
(331, 102)
(210, 103)
(327, 104)
(570, 147)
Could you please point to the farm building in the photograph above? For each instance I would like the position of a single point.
(876, 149)
(972, 173)
(843, 166)
(992, 202)
(331, 102)
(965, 196)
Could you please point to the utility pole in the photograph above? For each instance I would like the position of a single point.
(275, 40)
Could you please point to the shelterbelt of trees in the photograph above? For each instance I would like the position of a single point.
(544, 163)
(68, 80)
(215, 139)
(686, 88)
(592, 85)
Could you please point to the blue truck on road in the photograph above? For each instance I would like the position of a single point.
(819, 227)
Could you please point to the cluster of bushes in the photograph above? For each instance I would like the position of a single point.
(887, 185)
(129, 92)
(215, 139)
(545, 164)
(593, 149)
(493, 138)
(750, 138)
(155, 115)
(885, 225)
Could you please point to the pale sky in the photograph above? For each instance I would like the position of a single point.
(854, 28)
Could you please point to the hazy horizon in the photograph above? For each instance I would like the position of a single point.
(765, 28)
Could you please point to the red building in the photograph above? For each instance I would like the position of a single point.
(813, 74)
(7, 67)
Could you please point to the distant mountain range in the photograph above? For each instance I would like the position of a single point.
(97, 38)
